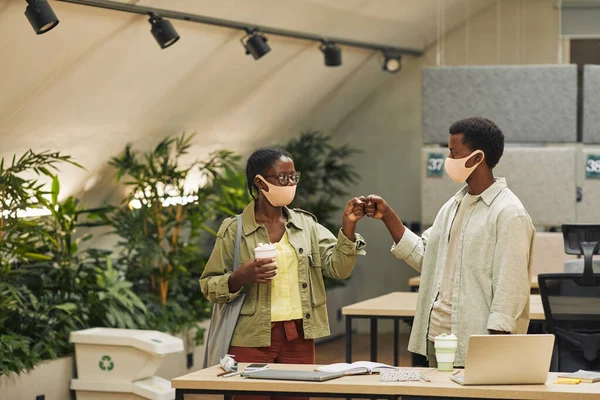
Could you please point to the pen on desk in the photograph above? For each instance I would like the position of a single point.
(456, 372)
(230, 374)
(424, 378)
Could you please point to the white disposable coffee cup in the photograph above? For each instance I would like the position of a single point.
(445, 351)
(264, 251)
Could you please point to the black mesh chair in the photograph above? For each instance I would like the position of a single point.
(572, 304)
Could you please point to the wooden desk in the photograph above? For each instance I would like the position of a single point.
(415, 282)
(400, 306)
(206, 382)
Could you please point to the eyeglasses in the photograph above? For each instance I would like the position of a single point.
(284, 179)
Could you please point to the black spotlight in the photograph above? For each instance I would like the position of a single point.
(333, 54)
(255, 44)
(392, 62)
(163, 31)
(40, 16)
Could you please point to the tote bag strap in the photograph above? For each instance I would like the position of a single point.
(238, 238)
(224, 316)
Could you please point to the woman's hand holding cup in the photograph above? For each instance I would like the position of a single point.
(268, 269)
(259, 270)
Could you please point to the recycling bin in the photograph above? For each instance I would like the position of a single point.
(121, 363)
(154, 388)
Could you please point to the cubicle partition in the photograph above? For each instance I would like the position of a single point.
(543, 178)
(591, 104)
(554, 173)
(588, 179)
(531, 103)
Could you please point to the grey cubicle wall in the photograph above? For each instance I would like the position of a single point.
(542, 177)
(530, 103)
(591, 104)
(588, 209)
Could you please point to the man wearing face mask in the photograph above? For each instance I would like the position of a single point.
(475, 260)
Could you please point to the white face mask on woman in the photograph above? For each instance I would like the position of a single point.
(278, 196)
(457, 169)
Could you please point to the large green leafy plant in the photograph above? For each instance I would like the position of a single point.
(48, 286)
(21, 189)
(160, 225)
(230, 192)
(104, 297)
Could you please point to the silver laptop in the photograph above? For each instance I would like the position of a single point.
(507, 360)
(287, 375)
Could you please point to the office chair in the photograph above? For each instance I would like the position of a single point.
(572, 304)
(575, 266)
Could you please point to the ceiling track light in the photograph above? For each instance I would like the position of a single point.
(392, 62)
(163, 31)
(332, 53)
(255, 43)
(40, 16)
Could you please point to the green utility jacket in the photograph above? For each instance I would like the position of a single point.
(319, 253)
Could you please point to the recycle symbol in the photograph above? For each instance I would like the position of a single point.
(106, 363)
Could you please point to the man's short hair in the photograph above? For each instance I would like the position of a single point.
(481, 134)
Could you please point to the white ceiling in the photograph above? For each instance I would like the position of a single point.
(99, 80)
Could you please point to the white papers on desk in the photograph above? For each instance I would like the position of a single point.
(355, 367)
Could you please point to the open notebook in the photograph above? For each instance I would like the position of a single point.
(358, 367)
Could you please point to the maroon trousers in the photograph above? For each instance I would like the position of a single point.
(288, 346)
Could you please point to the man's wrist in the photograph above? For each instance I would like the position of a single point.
(387, 214)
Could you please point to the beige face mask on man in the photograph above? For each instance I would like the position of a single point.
(278, 196)
(457, 169)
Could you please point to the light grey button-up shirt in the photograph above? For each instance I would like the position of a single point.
(493, 267)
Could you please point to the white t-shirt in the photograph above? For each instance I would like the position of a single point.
(441, 314)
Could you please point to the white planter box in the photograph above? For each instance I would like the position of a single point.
(50, 379)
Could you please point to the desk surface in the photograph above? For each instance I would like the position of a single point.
(404, 304)
(440, 385)
(415, 281)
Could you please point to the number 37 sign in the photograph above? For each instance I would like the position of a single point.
(592, 167)
(435, 164)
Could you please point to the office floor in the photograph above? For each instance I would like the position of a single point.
(334, 351)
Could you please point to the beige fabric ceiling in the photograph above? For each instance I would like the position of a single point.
(99, 80)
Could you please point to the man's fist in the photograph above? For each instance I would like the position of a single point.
(376, 207)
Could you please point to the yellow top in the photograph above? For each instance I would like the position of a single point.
(285, 289)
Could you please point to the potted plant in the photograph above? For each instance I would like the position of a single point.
(22, 191)
(161, 225)
(48, 286)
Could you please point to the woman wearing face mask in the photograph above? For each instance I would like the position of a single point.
(284, 309)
